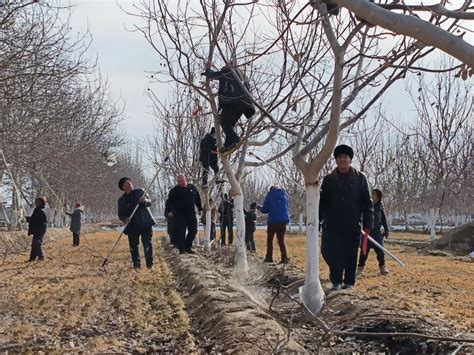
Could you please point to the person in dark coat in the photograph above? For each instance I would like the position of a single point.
(76, 223)
(344, 201)
(170, 225)
(250, 226)
(37, 224)
(183, 200)
(208, 155)
(380, 220)
(226, 214)
(140, 224)
(276, 205)
(213, 208)
(233, 101)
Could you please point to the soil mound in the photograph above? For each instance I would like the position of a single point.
(459, 241)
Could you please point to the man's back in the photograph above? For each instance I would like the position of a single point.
(184, 200)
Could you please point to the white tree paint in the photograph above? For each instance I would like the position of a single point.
(207, 230)
(312, 293)
(241, 266)
(300, 223)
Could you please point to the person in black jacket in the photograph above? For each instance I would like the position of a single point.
(76, 223)
(183, 200)
(140, 224)
(250, 226)
(208, 155)
(37, 224)
(234, 101)
(344, 200)
(226, 216)
(379, 221)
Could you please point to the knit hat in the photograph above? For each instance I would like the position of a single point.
(122, 181)
(343, 149)
(213, 130)
(77, 205)
(43, 200)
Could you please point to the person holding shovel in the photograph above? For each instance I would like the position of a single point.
(76, 223)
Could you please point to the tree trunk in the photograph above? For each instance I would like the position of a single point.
(196, 241)
(300, 223)
(207, 231)
(432, 222)
(241, 266)
(312, 293)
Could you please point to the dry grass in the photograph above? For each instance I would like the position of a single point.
(430, 285)
(68, 302)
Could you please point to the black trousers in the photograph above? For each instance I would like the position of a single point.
(209, 161)
(230, 114)
(249, 241)
(36, 247)
(380, 254)
(339, 250)
(185, 223)
(134, 240)
(229, 226)
(171, 230)
(75, 239)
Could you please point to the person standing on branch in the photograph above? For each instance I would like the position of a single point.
(234, 100)
(208, 155)
(183, 200)
(276, 205)
(345, 200)
(379, 221)
(250, 226)
(140, 224)
(226, 212)
(37, 224)
(76, 223)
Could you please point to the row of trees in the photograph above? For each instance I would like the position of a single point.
(313, 75)
(57, 120)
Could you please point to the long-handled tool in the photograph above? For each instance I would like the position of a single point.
(378, 245)
(133, 212)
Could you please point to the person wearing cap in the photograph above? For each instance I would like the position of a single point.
(250, 226)
(37, 224)
(380, 220)
(208, 155)
(76, 223)
(140, 224)
(182, 202)
(344, 202)
(276, 205)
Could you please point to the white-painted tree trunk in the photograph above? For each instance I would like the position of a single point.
(207, 231)
(290, 227)
(432, 220)
(196, 241)
(241, 266)
(312, 293)
(300, 223)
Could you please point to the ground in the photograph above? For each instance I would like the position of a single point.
(434, 286)
(69, 303)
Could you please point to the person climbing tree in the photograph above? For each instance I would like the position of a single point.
(379, 221)
(76, 223)
(208, 155)
(183, 200)
(250, 226)
(233, 101)
(226, 212)
(345, 200)
(276, 205)
(140, 225)
(37, 224)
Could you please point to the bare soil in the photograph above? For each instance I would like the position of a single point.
(69, 303)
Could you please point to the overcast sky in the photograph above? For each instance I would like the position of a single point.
(125, 56)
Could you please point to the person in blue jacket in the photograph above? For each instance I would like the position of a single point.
(276, 205)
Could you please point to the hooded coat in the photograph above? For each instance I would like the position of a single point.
(276, 205)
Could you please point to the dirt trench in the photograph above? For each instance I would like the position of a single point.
(262, 313)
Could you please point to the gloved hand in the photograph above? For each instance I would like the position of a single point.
(386, 234)
(365, 240)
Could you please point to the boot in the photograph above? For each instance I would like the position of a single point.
(383, 270)
(360, 270)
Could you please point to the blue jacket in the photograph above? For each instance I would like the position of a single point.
(276, 205)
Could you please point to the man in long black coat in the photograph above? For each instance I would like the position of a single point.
(345, 200)
(141, 223)
(234, 101)
(182, 202)
(37, 224)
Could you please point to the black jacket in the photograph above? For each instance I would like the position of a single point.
(231, 92)
(379, 219)
(206, 148)
(182, 201)
(37, 222)
(142, 217)
(345, 199)
(226, 212)
(250, 220)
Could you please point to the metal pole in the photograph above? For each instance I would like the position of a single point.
(402, 264)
